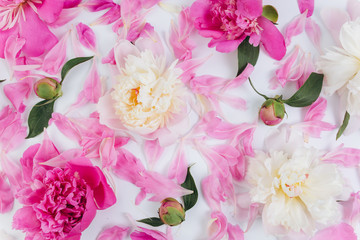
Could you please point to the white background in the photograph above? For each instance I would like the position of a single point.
(219, 64)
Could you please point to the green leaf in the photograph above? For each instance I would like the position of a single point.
(3, 80)
(247, 53)
(153, 221)
(308, 93)
(270, 13)
(72, 63)
(191, 199)
(39, 117)
(344, 125)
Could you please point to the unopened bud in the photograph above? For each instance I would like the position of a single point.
(171, 212)
(272, 112)
(47, 88)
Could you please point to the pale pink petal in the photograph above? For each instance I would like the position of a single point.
(351, 208)
(294, 28)
(61, 160)
(147, 234)
(107, 152)
(4, 36)
(38, 37)
(65, 16)
(254, 210)
(218, 228)
(178, 166)
(113, 233)
(98, 5)
(107, 113)
(6, 195)
(272, 39)
(317, 110)
(110, 58)
(314, 128)
(333, 19)
(306, 5)
(86, 36)
(307, 67)
(238, 170)
(46, 151)
(235, 102)
(189, 67)
(213, 192)
(67, 127)
(347, 157)
(148, 39)
(286, 66)
(50, 10)
(235, 232)
(353, 8)
(239, 80)
(340, 231)
(313, 31)
(18, 92)
(148, 3)
(153, 151)
(92, 88)
(122, 49)
(55, 58)
(13, 46)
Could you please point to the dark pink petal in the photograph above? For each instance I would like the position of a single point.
(27, 162)
(55, 58)
(71, 3)
(86, 36)
(250, 8)
(218, 228)
(306, 5)
(347, 157)
(224, 45)
(340, 231)
(38, 37)
(147, 234)
(272, 39)
(50, 10)
(18, 92)
(113, 233)
(6, 195)
(98, 5)
(25, 219)
(153, 151)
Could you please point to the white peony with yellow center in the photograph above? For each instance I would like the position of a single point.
(298, 191)
(147, 93)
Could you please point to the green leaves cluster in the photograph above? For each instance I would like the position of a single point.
(41, 113)
(188, 200)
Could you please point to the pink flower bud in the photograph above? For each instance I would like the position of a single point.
(171, 212)
(272, 112)
(47, 88)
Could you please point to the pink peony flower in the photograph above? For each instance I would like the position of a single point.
(229, 22)
(29, 20)
(60, 194)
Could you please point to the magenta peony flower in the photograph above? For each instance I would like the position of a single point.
(229, 22)
(61, 193)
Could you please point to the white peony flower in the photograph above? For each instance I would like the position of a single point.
(341, 67)
(298, 190)
(147, 93)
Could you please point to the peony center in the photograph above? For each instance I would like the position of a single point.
(292, 182)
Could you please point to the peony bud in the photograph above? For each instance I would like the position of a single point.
(171, 212)
(47, 88)
(272, 112)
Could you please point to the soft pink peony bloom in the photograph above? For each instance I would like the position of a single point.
(29, 19)
(229, 22)
(60, 198)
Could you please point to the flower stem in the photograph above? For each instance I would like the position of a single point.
(264, 96)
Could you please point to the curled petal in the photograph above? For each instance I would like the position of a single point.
(86, 36)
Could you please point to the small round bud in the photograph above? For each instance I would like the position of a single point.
(171, 212)
(272, 112)
(47, 88)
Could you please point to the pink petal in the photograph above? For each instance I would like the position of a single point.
(71, 3)
(286, 66)
(122, 49)
(340, 231)
(351, 208)
(254, 210)
(239, 80)
(25, 219)
(178, 167)
(333, 19)
(107, 152)
(353, 8)
(218, 228)
(12, 170)
(86, 36)
(65, 16)
(6, 195)
(224, 45)
(238, 170)
(55, 58)
(153, 151)
(38, 37)
(316, 110)
(92, 88)
(50, 10)
(294, 28)
(113, 233)
(18, 92)
(272, 39)
(147, 234)
(107, 113)
(110, 58)
(148, 39)
(46, 151)
(148, 3)
(313, 31)
(250, 8)
(235, 232)
(306, 5)
(213, 192)
(98, 5)
(4, 35)
(67, 127)
(347, 157)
